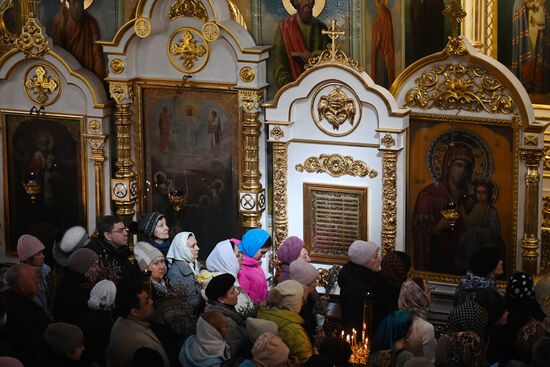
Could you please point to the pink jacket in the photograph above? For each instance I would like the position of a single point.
(252, 279)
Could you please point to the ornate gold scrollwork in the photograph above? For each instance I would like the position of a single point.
(187, 49)
(455, 46)
(210, 31)
(337, 108)
(42, 84)
(280, 199)
(120, 91)
(277, 133)
(117, 66)
(250, 100)
(389, 200)
(462, 87)
(6, 37)
(388, 141)
(333, 54)
(246, 74)
(31, 41)
(188, 8)
(336, 165)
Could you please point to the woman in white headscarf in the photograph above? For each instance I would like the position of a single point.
(184, 268)
(226, 258)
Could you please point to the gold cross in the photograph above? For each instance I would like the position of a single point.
(454, 12)
(333, 34)
(41, 84)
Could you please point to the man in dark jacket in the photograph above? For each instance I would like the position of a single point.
(26, 319)
(111, 245)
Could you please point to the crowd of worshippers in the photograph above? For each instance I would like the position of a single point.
(98, 304)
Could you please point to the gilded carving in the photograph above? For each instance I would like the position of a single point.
(337, 108)
(333, 54)
(6, 37)
(97, 142)
(188, 8)
(40, 87)
(336, 165)
(117, 66)
(462, 87)
(546, 212)
(455, 46)
(236, 14)
(247, 74)
(120, 91)
(454, 12)
(142, 27)
(277, 133)
(189, 47)
(547, 158)
(210, 31)
(280, 172)
(94, 126)
(31, 41)
(388, 141)
(532, 157)
(530, 140)
(250, 100)
(389, 200)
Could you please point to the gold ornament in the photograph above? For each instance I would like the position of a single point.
(530, 139)
(389, 200)
(210, 31)
(546, 211)
(41, 85)
(336, 165)
(120, 92)
(462, 87)
(6, 37)
(277, 133)
(188, 8)
(454, 12)
(246, 74)
(280, 195)
(142, 27)
(236, 14)
(547, 158)
(337, 108)
(188, 50)
(388, 141)
(31, 41)
(94, 126)
(250, 100)
(117, 66)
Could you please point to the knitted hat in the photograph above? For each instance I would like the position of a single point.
(360, 252)
(27, 246)
(256, 327)
(82, 260)
(395, 267)
(290, 250)
(287, 295)
(303, 272)
(520, 286)
(148, 222)
(484, 261)
(219, 286)
(145, 254)
(73, 239)
(63, 338)
(270, 350)
(102, 295)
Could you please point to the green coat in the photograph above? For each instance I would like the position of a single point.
(290, 330)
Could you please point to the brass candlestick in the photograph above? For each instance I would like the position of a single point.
(178, 199)
(451, 215)
(32, 187)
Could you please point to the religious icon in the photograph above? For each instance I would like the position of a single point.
(383, 49)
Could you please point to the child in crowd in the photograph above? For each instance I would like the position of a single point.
(256, 242)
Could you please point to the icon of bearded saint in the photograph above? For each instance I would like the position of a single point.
(336, 108)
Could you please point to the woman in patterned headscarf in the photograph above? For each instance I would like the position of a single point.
(465, 348)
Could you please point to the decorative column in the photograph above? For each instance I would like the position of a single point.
(480, 25)
(530, 242)
(280, 195)
(389, 190)
(123, 186)
(97, 143)
(251, 193)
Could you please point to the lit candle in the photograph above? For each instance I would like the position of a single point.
(342, 336)
(347, 339)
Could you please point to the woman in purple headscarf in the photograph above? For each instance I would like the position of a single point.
(292, 249)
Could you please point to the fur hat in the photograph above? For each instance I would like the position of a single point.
(270, 350)
(303, 272)
(484, 261)
(360, 252)
(73, 239)
(28, 246)
(63, 338)
(256, 327)
(219, 285)
(287, 295)
(145, 254)
(102, 295)
(148, 222)
(82, 260)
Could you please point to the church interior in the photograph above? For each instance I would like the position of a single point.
(375, 173)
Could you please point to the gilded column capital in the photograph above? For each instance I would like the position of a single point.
(97, 143)
(250, 100)
(531, 157)
(121, 92)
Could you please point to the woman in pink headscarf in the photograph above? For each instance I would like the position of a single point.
(292, 249)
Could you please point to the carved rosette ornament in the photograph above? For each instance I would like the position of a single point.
(188, 50)
(246, 74)
(32, 41)
(337, 108)
(388, 141)
(123, 186)
(142, 27)
(460, 87)
(389, 200)
(280, 195)
(277, 133)
(336, 165)
(117, 66)
(97, 142)
(530, 242)
(188, 8)
(43, 87)
(210, 31)
(251, 192)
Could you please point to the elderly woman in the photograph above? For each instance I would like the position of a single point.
(292, 249)
(413, 298)
(150, 259)
(283, 307)
(155, 230)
